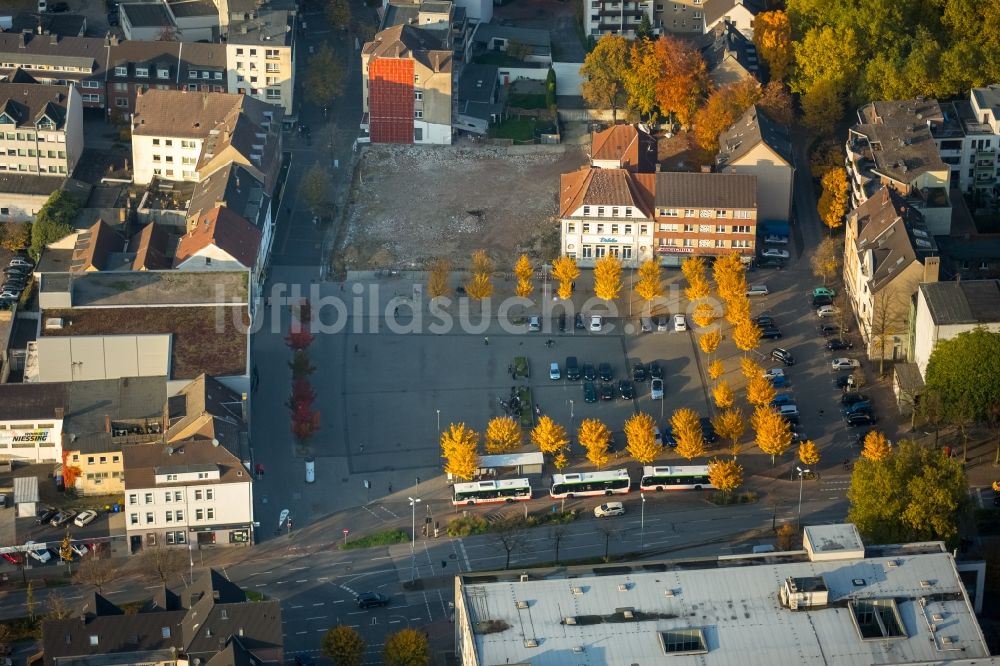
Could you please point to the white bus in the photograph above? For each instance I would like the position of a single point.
(487, 492)
(691, 477)
(590, 483)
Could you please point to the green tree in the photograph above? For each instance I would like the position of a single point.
(917, 494)
(407, 647)
(604, 71)
(344, 646)
(645, 29)
(964, 372)
(53, 222)
(16, 236)
(325, 77)
(822, 106)
(518, 50)
(315, 188)
(338, 13)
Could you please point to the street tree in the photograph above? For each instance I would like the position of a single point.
(66, 551)
(723, 394)
(608, 277)
(549, 436)
(16, 236)
(458, 445)
(315, 188)
(808, 453)
(693, 268)
(750, 368)
(300, 365)
(683, 78)
(524, 273)
(832, 204)
(746, 335)
(603, 73)
(649, 287)
(509, 535)
(479, 286)
(557, 534)
(160, 562)
(565, 270)
(709, 342)
(595, 438)
(503, 435)
(776, 103)
(825, 261)
(771, 431)
(916, 494)
(963, 373)
(876, 447)
(772, 35)
(729, 273)
(687, 430)
(726, 475)
(640, 435)
(697, 290)
(704, 315)
(560, 461)
(96, 572)
(640, 79)
(344, 646)
(481, 262)
(822, 106)
(406, 647)
(889, 314)
(325, 77)
(437, 278)
(716, 369)
(738, 310)
(338, 13)
(731, 425)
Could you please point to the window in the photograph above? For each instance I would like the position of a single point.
(720, 213)
(142, 72)
(121, 102)
(166, 496)
(206, 75)
(417, 113)
(90, 84)
(162, 73)
(156, 158)
(614, 213)
(90, 460)
(187, 144)
(193, 74)
(628, 229)
(688, 242)
(169, 517)
(740, 244)
(76, 457)
(171, 477)
(121, 71)
(211, 513)
(180, 537)
(614, 227)
(588, 251)
(133, 499)
(690, 228)
(115, 459)
(271, 54)
(586, 227)
(720, 228)
(209, 494)
(149, 518)
(199, 514)
(570, 228)
(151, 539)
(741, 214)
(197, 494)
(626, 252)
(239, 52)
(418, 95)
(149, 498)
(133, 518)
(168, 142)
(217, 76)
(272, 68)
(93, 639)
(586, 210)
(120, 87)
(741, 228)
(418, 134)
(600, 211)
(643, 230)
(180, 515)
(104, 460)
(177, 496)
(273, 93)
(253, 52)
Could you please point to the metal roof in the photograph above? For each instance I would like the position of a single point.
(512, 459)
(26, 489)
(964, 302)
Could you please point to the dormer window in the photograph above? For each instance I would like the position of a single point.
(163, 73)
(121, 71)
(193, 74)
(142, 72)
(218, 75)
(205, 75)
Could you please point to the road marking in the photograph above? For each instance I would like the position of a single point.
(280, 582)
(321, 603)
(465, 555)
(339, 601)
(261, 585)
(299, 633)
(79, 597)
(304, 580)
(416, 619)
(297, 568)
(430, 615)
(324, 578)
(387, 557)
(295, 606)
(358, 613)
(393, 621)
(150, 587)
(374, 621)
(318, 617)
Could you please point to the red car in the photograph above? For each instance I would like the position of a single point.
(14, 558)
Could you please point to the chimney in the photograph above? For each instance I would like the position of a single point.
(107, 423)
(60, 413)
(53, 39)
(932, 266)
(22, 41)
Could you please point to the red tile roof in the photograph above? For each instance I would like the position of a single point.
(226, 230)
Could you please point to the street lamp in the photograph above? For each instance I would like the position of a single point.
(439, 420)
(571, 410)
(642, 522)
(413, 535)
(802, 473)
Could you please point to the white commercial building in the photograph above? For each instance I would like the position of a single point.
(945, 309)
(835, 603)
(31, 422)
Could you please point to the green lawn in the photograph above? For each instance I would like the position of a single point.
(527, 100)
(518, 129)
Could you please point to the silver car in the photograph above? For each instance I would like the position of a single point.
(656, 389)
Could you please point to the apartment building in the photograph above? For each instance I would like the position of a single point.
(705, 214)
(180, 135)
(407, 86)
(261, 58)
(618, 17)
(55, 60)
(606, 212)
(888, 251)
(893, 146)
(187, 492)
(969, 141)
(41, 129)
(758, 146)
(947, 309)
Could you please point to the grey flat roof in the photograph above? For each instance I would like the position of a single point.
(147, 15)
(734, 603)
(964, 302)
(477, 83)
(186, 8)
(132, 288)
(41, 185)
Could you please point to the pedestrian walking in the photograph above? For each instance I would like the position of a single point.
(355, 349)
(486, 341)
(396, 311)
(390, 487)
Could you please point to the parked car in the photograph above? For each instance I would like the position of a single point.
(371, 600)
(626, 390)
(646, 324)
(824, 291)
(589, 392)
(844, 382)
(609, 509)
(655, 370)
(845, 363)
(837, 344)
(589, 372)
(17, 559)
(605, 372)
(554, 372)
(708, 430)
(771, 373)
(667, 438)
(21, 262)
(535, 323)
(680, 323)
(10, 295)
(62, 518)
(776, 239)
(775, 253)
(606, 392)
(789, 413)
(785, 398)
(596, 323)
(638, 372)
(764, 321)
(783, 355)
(662, 323)
(827, 311)
(820, 301)
(656, 389)
(771, 262)
(85, 518)
(851, 397)
(862, 419)
(758, 290)
(37, 552)
(572, 369)
(861, 407)
(79, 549)
(657, 435)
(829, 329)
(45, 515)
(578, 322)
(771, 333)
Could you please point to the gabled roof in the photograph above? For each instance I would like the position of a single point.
(142, 462)
(605, 187)
(150, 247)
(632, 147)
(706, 190)
(235, 187)
(29, 51)
(716, 9)
(93, 247)
(885, 226)
(750, 130)
(28, 104)
(724, 41)
(21, 76)
(205, 409)
(407, 41)
(226, 230)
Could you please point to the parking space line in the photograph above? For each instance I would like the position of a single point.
(318, 617)
(319, 603)
(304, 580)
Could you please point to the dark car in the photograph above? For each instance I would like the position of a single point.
(764, 321)
(862, 419)
(303, 660)
(655, 371)
(59, 7)
(852, 397)
(861, 407)
(844, 382)
(668, 436)
(708, 430)
(572, 369)
(589, 392)
(626, 390)
(837, 344)
(829, 329)
(112, 19)
(605, 372)
(562, 323)
(62, 518)
(578, 322)
(371, 600)
(783, 355)
(771, 262)
(771, 333)
(606, 392)
(45, 515)
(819, 301)
(589, 372)
(638, 372)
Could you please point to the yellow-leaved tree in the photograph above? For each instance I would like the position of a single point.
(716, 369)
(648, 286)
(595, 437)
(772, 432)
(760, 391)
(737, 310)
(876, 446)
(641, 438)
(730, 276)
(437, 278)
(731, 425)
(726, 475)
(459, 444)
(704, 315)
(808, 453)
(746, 335)
(608, 277)
(694, 271)
(524, 273)
(479, 286)
(503, 435)
(833, 202)
(565, 270)
(686, 427)
(697, 290)
(710, 341)
(481, 262)
(772, 35)
(723, 395)
(549, 436)
(750, 368)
